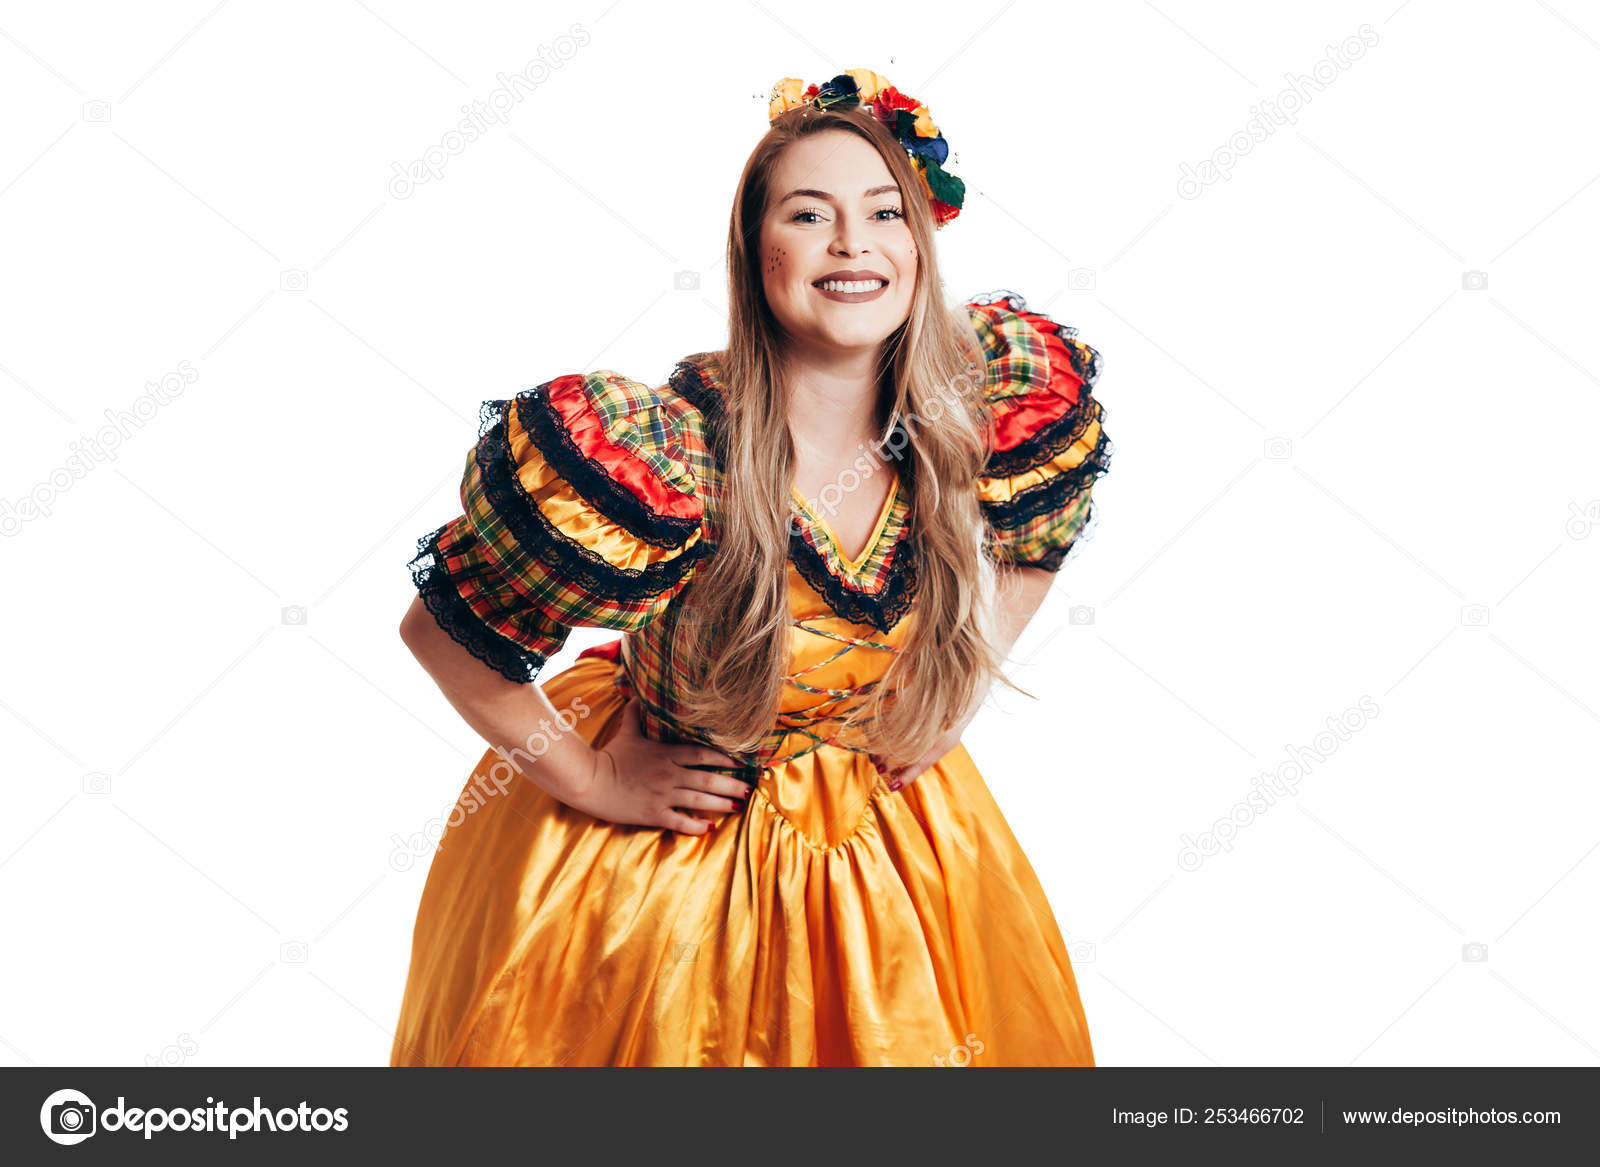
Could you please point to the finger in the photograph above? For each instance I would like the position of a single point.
(688, 797)
(694, 755)
(685, 824)
(885, 771)
(715, 783)
(903, 778)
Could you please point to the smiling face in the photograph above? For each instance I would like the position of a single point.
(833, 207)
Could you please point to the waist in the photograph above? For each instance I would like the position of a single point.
(787, 744)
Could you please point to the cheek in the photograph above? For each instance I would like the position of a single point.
(777, 261)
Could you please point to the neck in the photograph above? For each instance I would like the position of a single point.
(834, 397)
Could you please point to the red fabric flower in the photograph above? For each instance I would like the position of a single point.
(892, 99)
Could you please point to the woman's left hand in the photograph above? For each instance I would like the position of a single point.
(942, 745)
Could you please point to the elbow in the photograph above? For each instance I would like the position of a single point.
(414, 624)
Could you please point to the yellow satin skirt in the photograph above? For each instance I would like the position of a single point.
(833, 922)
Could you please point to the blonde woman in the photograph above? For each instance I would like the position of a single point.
(746, 831)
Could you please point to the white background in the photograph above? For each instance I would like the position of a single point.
(1342, 473)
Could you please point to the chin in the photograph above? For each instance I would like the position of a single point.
(857, 338)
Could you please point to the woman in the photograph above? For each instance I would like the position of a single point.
(746, 832)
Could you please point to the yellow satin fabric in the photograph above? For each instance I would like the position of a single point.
(570, 512)
(1005, 489)
(832, 922)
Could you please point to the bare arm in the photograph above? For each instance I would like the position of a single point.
(502, 712)
(1022, 592)
(630, 779)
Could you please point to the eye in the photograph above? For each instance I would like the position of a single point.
(894, 212)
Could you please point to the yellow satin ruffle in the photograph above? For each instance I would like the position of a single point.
(1007, 488)
(831, 922)
(574, 516)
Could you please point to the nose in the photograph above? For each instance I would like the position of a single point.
(846, 236)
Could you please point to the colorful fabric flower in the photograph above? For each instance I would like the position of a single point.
(906, 118)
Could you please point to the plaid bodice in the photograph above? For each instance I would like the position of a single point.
(591, 500)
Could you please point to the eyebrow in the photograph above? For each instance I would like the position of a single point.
(822, 194)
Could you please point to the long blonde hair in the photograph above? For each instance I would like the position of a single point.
(734, 632)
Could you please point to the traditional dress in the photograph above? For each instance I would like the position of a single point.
(832, 921)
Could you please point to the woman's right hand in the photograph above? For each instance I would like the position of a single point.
(642, 782)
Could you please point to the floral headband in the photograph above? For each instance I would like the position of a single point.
(906, 118)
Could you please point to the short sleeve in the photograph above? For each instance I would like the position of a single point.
(1036, 488)
(580, 508)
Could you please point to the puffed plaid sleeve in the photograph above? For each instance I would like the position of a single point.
(579, 508)
(1049, 444)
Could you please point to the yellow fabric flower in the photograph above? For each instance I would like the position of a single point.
(869, 83)
(786, 94)
(924, 124)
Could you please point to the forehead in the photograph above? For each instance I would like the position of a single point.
(839, 162)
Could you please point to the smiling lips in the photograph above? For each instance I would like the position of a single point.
(851, 287)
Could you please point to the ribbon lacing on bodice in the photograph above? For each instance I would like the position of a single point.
(792, 722)
(800, 720)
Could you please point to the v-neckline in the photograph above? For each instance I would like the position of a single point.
(709, 369)
(854, 563)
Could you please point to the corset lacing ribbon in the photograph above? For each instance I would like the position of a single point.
(796, 721)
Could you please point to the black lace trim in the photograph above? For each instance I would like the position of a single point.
(882, 609)
(586, 474)
(1052, 439)
(1054, 559)
(568, 559)
(689, 382)
(457, 618)
(1053, 493)
(1064, 431)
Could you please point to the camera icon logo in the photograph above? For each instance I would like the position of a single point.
(686, 281)
(68, 1117)
(1474, 281)
(1583, 520)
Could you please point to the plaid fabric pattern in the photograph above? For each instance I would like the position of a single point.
(531, 556)
(1036, 489)
(872, 572)
(469, 597)
(589, 500)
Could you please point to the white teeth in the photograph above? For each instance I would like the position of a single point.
(852, 285)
